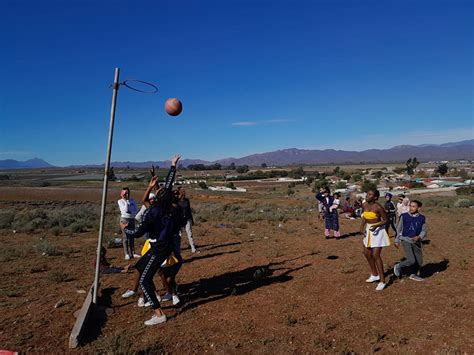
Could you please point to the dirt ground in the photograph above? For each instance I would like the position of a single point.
(255, 287)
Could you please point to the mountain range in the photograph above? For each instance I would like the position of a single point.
(293, 156)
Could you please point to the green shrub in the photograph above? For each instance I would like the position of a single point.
(115, 344)
(465, 190)
(463, 203)
(11, 253)
(59, 277)
(78, 227)
(6, 219)
(45, 248)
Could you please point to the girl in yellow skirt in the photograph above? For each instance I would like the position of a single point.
(373, 224)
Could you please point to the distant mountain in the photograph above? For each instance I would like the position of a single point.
(145, 164)
(34, 163)
(293, 156)
(448, 151)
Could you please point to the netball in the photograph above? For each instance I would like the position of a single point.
(173, 107)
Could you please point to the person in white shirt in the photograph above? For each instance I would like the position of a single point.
(128, 211)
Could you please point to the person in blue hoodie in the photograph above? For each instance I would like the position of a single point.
(411, 230)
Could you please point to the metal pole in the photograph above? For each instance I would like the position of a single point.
(106, 182)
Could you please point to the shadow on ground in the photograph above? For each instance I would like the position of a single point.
(98, 316)
(234, 283)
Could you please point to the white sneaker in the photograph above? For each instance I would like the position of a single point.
(166, 297)
(137, 256)
(193, 250)
(380, 286)
(175, 300)
(373, 278)
(128, 294)
(415, 277)
(156, 320)
(142, 303)
(396, 270)
(127, 257)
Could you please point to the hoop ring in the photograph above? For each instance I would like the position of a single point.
(129, 84)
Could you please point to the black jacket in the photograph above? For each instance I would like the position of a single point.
(186, 209)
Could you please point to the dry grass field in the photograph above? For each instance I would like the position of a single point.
(266, 280)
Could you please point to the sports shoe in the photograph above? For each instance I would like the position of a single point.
(396, 270)
(156, 320)
(167, 297)
(373, 278)
(128, 293)
(142, 303)
(415, 277)
(380, 286)
(127, 257)
(137, 256)
(175, 300)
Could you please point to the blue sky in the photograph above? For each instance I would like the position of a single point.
(253, 76)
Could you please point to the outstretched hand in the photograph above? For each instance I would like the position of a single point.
(175, 159)
(153, 181)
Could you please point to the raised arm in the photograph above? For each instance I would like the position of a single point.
(172, 173)
(320, 197)
(151, 185)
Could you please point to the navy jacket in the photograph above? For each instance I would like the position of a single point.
(157, 220)
(326, 203)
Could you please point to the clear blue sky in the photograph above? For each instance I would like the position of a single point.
(254, 76)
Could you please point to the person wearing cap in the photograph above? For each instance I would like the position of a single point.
(391, 211)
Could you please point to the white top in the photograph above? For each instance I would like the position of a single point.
(335, 204)
(139, 216)
(128, 208)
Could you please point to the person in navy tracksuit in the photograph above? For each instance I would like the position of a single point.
(331, 216)
(159, 224)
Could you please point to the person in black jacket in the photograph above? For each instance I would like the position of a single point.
(159, 225)
(391, 211)
(188, 216)
(168, 272)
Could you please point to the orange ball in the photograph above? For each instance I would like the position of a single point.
(173, 107)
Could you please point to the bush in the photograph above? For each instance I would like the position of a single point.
(45, 248)
(463, 203)
(368, 185)
(8, 254)
(58, 277)
(6, 219)
(341, 185)
(465, 190)
(230, 185)
(78, 227)
(115, 344)
(202, 185)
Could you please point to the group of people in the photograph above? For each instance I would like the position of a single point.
(376, 222)
(165, 212)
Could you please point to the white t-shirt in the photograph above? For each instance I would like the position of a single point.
(128, 208)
